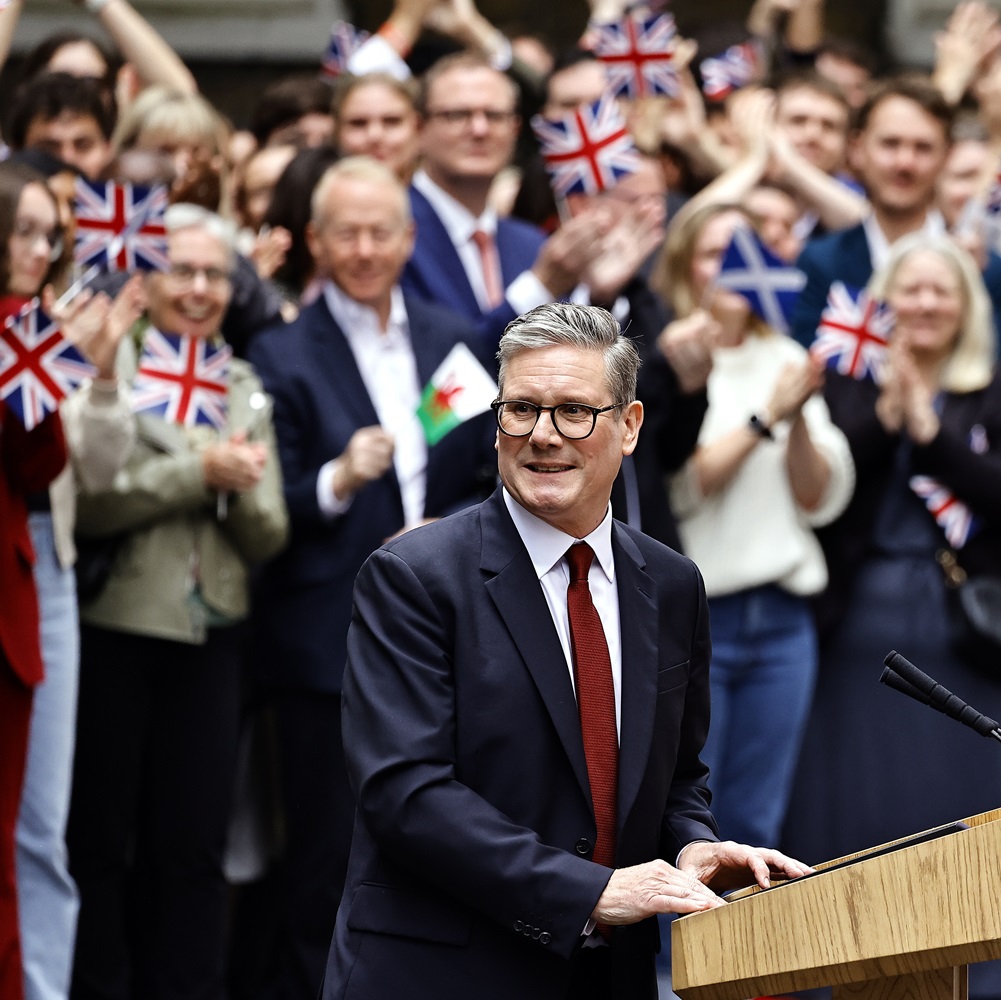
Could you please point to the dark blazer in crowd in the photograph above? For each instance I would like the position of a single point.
(435, 273)
(479, 883)
(844, 256)
(975, 478)
(320, 400)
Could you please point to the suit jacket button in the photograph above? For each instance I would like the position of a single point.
(583, 846)
(545, 937)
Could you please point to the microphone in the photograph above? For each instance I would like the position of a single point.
(901, 675)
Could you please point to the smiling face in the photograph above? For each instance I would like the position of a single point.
(927, 298)
(377, 120)
(35, 230)
(816, 124)
(565, 483)
(192, 297)
(362, 238)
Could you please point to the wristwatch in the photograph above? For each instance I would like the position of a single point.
(760, 427)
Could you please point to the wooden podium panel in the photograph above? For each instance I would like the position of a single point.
(898, 925)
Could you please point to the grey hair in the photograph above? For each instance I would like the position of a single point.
(186, 216)
(589, 328)
(971, 362)
(358, 168)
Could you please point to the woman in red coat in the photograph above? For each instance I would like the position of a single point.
(29, 461)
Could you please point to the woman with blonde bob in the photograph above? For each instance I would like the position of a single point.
(769, 467)
(875, 764)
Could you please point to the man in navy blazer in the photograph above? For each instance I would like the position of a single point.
(900, 147)
(469, 126)
(473, 867)
(346, 378)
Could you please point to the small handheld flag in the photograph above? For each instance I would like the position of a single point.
(769, 284)
(853, 333)
(182, 379)
(345, 41)
(39, 367)
(738, 66)
(638, 54)
(459, 389)
(587, 151)
(953, 516)
(120, 226)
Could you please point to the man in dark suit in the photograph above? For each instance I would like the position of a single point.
(525, 752)
(898, 151)
(486, 268)
(346, 378)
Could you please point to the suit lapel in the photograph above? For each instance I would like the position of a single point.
(517, 595)
(638, 615)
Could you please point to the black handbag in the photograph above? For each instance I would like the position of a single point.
(95, 558)
(974, 604)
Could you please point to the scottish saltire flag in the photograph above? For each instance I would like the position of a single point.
(120, 226)
(955, 519)
(587, 151)
(853, 333)
(345, 41)
(39, 367)
(638, 53)
(459, 389)
(738, 66)
(769, 284)
(182, 379)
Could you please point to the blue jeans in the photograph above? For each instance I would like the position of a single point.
(764, 667)
(47, 896)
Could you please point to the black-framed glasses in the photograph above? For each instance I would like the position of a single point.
(574, 421)
(464, 116)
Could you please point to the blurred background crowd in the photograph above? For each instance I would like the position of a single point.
(174, 595)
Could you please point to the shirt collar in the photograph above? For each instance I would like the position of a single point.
(879, 245)
(547, 545)
(459, 222)
(351, 315)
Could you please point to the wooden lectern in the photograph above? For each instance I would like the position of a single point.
(901, 925)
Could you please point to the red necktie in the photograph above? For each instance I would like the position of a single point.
(491, 267)
(595, 700)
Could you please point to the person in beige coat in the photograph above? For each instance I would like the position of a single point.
(191, 511)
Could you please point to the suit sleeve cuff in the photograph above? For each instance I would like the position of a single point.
(330, 505)
(526, 292)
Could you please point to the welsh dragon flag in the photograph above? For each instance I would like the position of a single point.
(459, 389)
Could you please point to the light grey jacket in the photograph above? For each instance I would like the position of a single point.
(181, 565)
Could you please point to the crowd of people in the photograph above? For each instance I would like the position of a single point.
(175, 807)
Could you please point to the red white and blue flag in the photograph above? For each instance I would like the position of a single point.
(120, 226)
(39, 367)
(770, 285)
(182, 379)
(345, 41)
(638, 53)
(853, 333)
(953, 516)
(738, 66)
(587, 151)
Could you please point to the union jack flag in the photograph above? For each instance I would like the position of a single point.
(120, 226)
(955, 519)
(39, 367)
(770, 285)
(853, 333)
(738, 66)
(345, 41)
(638, 53)
(182, 379)
(587, 151)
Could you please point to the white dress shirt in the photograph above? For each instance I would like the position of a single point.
(385, 359)
(547, 548)
(879, 245)
(524, 293)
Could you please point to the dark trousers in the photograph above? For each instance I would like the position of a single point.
(156, 754)
(15, 716)
(319, 814)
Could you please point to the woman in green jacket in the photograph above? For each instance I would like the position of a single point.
(192, 510)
